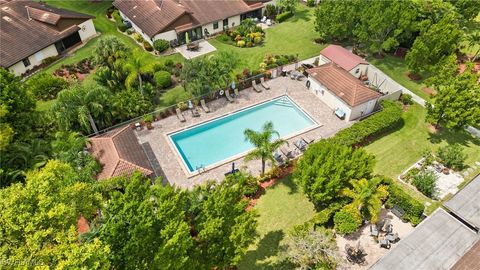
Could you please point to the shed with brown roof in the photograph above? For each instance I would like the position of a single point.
(31, 31)
(342, 91)
(119, 153)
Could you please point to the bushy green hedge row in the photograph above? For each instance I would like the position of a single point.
(413, 208)
(388, 118)
(283, 16)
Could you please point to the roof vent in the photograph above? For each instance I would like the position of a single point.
(135, 7)
(341, 94)
(6, 8)
(6, 18)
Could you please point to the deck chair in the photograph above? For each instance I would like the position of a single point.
(301, 145)
(286, 152)
(180, 115)
(256, 87)
(227, 95)
(264, 84)
(235, 91)
(204, 106)
(278, 158)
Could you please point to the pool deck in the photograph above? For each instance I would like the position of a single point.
(170, 160)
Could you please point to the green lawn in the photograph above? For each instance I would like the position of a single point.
(173, 96)
(281, 208)
(294, 36)
(397, 69)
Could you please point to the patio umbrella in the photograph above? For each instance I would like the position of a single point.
(187, 37)
(233, 85)
(233, 167)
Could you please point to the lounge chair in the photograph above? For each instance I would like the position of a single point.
(301, 145)
(308, 140)
(385, 243)
(204, 106)
(269, 22)
(256, 87)
(235, 91)
(374, 230)
(264, 19)
(264, 84)
(195, 112)
(278, 158)
(227, 95)
(286, 152)
(180, 115)
(392, 237)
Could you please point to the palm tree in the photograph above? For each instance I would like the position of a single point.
(109, 49)
(367, 196)
(135, 67)
(474, 40)
(81, 105)
(264, 146)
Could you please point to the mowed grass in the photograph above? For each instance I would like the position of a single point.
(397, 70)
(280, 209)
(294, 36)
(398, 150)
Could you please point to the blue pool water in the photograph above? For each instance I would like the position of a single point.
(222, 138)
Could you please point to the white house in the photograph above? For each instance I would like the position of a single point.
(348, 97)
(174, 19)
(352, 63)
(31, 31)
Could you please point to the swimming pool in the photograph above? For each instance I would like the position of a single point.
(216, 141)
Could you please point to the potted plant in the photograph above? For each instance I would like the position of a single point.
(148, 119)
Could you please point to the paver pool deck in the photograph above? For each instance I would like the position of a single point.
(171, 163)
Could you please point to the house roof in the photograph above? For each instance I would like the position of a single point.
(119, 153)
(342, 57)
(466, 204)
(470, 261)
(343, 84)
(437, 243)
(154, 16)
(27, 27)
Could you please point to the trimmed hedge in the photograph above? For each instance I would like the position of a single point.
(358, 133)
(413, 208)
(283, 16)
(161, 45)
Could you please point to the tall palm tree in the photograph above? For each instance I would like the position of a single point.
(264, 146)
(135, 67)
(109, 49)
(367, 196)
(81, 106)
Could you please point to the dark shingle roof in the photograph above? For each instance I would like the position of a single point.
(21, 37)
(154, 16)
(119, 153)
(343, 84)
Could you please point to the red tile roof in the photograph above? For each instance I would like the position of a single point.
(342, 57)
(119, 153)
(343, 84)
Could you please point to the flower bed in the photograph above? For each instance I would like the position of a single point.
(247, 34)
(76, 71)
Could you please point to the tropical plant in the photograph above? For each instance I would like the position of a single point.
(425, 182)
(45, 86)
(270, 11)
(452, 156)
(347, 220)
(163, 79)
(82, 108)
(368, 196)
(313, 249)
(109, 49)
(161, 45)
(473, 40)
(288, 5)
(264, 144)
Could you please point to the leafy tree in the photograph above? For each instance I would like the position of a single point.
(452, 156)
(457, 102)
(161, 45)
(336, 20)
(6, 131)
(109, 49)
(38, 224)
(203, 75)
(312, 249)
(112, 77)
(382, 24)
(137, 70)
(128, 104)
(435, 42)
(45, 86)
(145, 226)
(82, 108)
(469, 9)
(326, 168)
(264, 146)
(222, 228)
(367, 196)
(425, 182)
(347, 220)
(288, 5)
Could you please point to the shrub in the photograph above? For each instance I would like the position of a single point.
(388, 118)
(249, 44)
(138, 37)
(413, 208)
(130, 31)
(122, 27)
(161, 45)
(147, 46)
(347, 220)
(283, 16)
(410, 174)
(148, 118)
(257, 40)
(270, 11)
(47, 61)
(406, 99)
(116, 16)
(45, 86)
(310, 3)
(324, 216)
(224, 38)
(452, 156)
(241, 43)
(163, 79)
(169, 63)
(425, 182)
